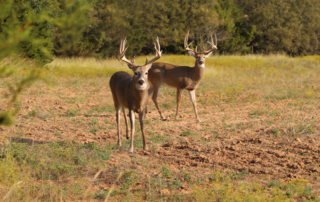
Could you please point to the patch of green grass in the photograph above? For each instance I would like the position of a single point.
(157, 138)
(94, 129)
(224, 188)
(256, 113)
(186, 133)
(72, 112)
(71, 100)
(32, 113)
(101, 109)
(57, 134)
(275, 132)
(36, 165)
(186, 176)
(270, 122)
(166, 173)
(93, 122)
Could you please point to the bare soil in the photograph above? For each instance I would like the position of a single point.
(269, 140)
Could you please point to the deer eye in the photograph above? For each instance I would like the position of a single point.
(136, 73)
(146, 73)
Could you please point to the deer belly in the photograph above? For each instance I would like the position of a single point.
(192, 86)
(168, 85)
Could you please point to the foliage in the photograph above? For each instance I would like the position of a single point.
(95, 28)
(29, 29)
(283, 26)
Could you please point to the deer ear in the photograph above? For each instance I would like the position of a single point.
(208, 54)
(192, 54)
(132, 67)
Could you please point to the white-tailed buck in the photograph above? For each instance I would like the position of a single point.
(132, 92)
(180, 77)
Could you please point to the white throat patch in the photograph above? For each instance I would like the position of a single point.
(202, 65)
(141, 87)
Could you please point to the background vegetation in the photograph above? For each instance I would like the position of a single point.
(40, 30)
(94, 28)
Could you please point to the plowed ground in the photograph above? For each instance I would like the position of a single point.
(264, 140)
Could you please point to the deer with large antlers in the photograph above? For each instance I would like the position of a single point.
(180, 77)
(131, 92)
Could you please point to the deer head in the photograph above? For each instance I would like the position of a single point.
(200, 57)
(140, 72)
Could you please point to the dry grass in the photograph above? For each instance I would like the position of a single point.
(238, 96)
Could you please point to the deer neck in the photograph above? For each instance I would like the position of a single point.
(198, 70)
(140, 97)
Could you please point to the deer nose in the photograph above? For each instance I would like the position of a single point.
(201, 62)
(141, 81)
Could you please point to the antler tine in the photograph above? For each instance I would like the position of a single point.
(215, 36)
(186, 45)
(158, 43)
(134, 59)
(214, 47)
(122, 45)
(123, 50)
(158, 52)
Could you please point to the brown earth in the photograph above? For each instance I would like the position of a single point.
(268, 140)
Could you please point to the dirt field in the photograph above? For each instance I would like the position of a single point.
(259, 141)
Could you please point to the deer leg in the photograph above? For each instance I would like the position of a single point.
(125, 119)
(141, 118)
(132, 119)
(145, 111)
(192, 94)
(155, 100)
(150, 92)
(118, 123)
(179, 93)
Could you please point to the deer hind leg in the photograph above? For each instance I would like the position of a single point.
(179, 93)
(118, 123)
(125, 119)
(132, 121)
(150, 92)
(141, 118)
(155, 100)
(192, 94)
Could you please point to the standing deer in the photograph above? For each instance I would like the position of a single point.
(132, 92)
(180, 77)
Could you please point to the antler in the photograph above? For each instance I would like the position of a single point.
(123, 50)
(186, 45)
(158, 52)
(214, 47)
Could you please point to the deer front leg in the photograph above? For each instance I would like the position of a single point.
(145, 111)
(132, 120)
(179, 93)
(155, 100)
(192, 94)
(125, 119)
(141, 118)
(118, 124)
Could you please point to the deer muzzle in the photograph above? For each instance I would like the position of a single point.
(141, 81)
